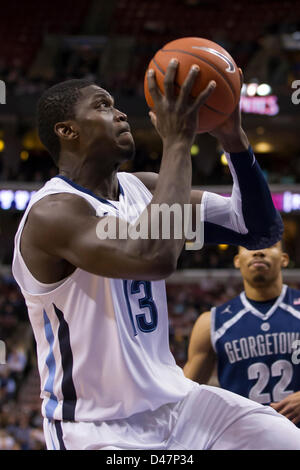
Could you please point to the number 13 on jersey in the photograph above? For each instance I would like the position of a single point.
(132, 288)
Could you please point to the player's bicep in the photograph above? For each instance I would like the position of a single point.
(200, 336)
(112, 257)
(89, 249)
(69, 229)
(64, 226)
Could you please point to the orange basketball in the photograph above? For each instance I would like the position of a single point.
(215, 64)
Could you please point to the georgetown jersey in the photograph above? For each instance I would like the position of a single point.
(257, 353)
(102, 344)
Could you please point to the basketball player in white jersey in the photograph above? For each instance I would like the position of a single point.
(98, 307)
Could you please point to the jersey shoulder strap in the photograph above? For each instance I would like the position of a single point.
(224, 316)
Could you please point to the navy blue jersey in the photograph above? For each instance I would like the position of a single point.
(257, 352)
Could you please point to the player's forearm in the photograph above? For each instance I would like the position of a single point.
(261, 219)
(234, 142)
(172, 190)
(175, 175)
(249, 217)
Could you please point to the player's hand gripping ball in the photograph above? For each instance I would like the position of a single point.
(215, 64)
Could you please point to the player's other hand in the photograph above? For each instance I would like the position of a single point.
(289, 407)
(230, 132)
(176, 117)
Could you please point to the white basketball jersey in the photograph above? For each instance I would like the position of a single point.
(102, 344)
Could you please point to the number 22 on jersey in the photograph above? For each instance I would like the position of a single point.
(262, 373)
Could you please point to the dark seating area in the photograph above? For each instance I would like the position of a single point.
(23, 26)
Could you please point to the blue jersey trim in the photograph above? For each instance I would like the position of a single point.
(67, 386)
(213, 328)
(87, 191)
(59, 433)
(272, 309)
(50, 361)
(54, 448)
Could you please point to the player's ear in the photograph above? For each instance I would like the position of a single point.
(285, 259)
(66, 130)
(236, 261)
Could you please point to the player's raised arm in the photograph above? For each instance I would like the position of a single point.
(201, 356)
(67, 228)
(248, 218)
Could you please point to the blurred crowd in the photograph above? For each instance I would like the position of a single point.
(265, 58)
(263, 38)
(20, 418)
(266, 62)
(267, 55)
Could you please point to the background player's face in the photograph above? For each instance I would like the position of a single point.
(261, 267)
(103, 129)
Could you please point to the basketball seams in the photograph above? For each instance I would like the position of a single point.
(176, 84)
(215, 110)
(207, 62)
(159, 67)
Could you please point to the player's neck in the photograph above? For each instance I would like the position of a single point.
(261, 293)
(102, 181)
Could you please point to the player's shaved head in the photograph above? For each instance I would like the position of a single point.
(57, 104)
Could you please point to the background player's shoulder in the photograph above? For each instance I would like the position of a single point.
(226, 311)
(231, 307)
(292, 297)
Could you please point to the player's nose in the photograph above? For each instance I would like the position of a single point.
(120, 116)
(259, 253)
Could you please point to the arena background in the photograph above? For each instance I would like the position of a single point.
(112, 42)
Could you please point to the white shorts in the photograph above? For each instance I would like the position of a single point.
(207, 418)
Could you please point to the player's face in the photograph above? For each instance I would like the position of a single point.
(103, 129)
(261, 267)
